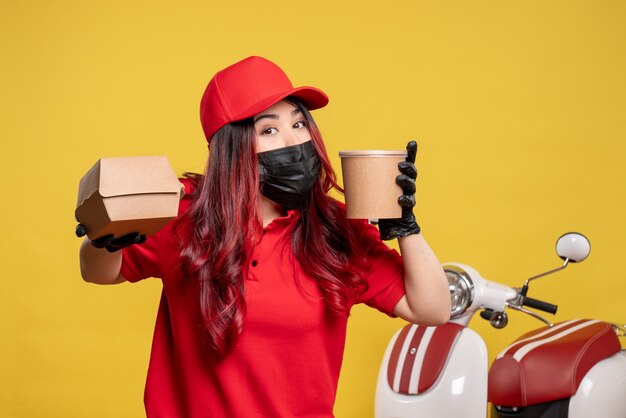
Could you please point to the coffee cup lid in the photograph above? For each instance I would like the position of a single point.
(372, 153)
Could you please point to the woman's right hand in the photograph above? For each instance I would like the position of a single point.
(112, 244)
(109, 242)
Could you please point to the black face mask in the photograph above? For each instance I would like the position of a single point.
(288, 174)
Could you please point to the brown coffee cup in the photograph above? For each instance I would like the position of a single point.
(369, 182)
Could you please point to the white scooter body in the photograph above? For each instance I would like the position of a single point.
(460, 389)
(602, 392)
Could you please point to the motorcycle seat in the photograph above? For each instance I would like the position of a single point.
(418, 357)
(550, 362)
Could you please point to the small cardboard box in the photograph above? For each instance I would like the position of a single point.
(128, 194)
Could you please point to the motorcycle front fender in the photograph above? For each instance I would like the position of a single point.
(460, 390)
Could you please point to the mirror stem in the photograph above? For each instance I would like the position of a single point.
(525, 288)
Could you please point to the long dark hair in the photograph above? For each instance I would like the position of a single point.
(225, 223)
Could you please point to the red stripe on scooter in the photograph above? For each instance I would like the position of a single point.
(528, 337)
(395, 354)
(437, 354)
(409, 360)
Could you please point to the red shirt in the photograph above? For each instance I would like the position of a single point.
(287, 360)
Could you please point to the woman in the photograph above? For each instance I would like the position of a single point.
(261, 267)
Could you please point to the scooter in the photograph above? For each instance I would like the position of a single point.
(573, 369)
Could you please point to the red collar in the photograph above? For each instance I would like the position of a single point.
(291, 216)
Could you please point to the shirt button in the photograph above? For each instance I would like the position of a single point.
(254, 263)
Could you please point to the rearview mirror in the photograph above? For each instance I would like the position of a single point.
(573, 246)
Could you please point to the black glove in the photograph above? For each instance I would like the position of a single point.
(113, 244)
(401, 227)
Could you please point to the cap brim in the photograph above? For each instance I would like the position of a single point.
(312, 98)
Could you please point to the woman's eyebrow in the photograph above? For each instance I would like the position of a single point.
(266, 116)
(274, 116)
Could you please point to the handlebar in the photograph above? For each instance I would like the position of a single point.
(541, 305)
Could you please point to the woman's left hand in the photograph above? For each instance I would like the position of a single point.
(406, 225)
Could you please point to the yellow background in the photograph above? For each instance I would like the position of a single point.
(519, 108)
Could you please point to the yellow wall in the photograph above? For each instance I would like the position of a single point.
(519, 108)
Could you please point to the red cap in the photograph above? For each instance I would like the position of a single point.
(246, 88)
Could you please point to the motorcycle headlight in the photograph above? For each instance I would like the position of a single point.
(461, 290)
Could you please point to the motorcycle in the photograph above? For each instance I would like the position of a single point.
(573, 369)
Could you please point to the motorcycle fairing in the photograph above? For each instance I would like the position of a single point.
(550, 362)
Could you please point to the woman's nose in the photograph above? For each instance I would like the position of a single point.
(292, 138)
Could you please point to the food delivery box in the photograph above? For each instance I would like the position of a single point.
(121, 195)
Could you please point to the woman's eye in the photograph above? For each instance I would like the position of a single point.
(299, 125)
(268, 131)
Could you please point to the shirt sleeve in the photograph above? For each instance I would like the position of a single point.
(385, 276)
(141, 261)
